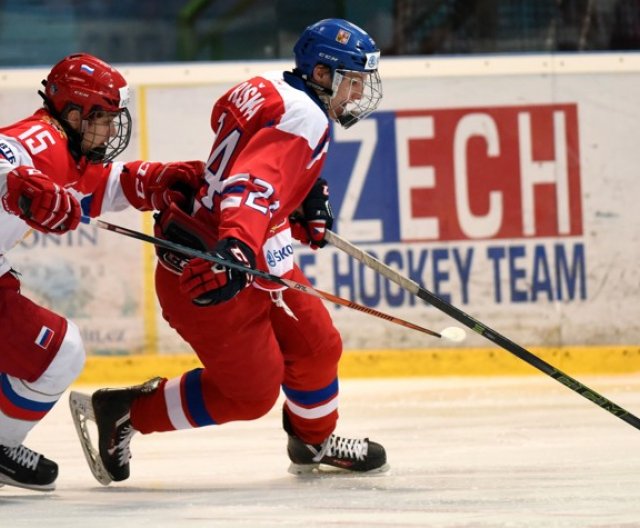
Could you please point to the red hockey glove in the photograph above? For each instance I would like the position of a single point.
(208, 283)
(174, 183)
(41, 203)
(310, 223)
(152, 185)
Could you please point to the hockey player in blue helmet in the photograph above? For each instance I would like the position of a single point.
(339, 61)
(255, 340)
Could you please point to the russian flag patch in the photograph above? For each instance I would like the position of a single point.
(44, 337)
(87, 69)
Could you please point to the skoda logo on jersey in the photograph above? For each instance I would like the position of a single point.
(278, 255)
(6, 152)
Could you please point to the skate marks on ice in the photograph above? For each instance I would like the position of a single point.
(464, 452)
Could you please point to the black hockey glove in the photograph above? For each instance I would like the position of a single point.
(310, 223)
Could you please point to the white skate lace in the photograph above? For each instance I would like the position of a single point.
(123, 447)
(336, 446)
(23, 455)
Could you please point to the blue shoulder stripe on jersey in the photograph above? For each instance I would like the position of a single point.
(321, 145)
(236, 189)
(312, 397)
(85, 204)
(195, 401)
(20, 401)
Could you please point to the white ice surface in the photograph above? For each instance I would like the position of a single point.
(464, 452)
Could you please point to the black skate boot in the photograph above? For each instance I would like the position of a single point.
(111, 410)
(349, 454)
(21, 467)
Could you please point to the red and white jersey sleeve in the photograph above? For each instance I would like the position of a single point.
(39, 141)
(100, 190)
(271, 140)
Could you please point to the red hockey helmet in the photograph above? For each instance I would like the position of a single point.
(88, 84)
(85, 83)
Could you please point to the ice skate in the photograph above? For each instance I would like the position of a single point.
(110, 410)
(346, 454)
(24, 468)
(350, 455)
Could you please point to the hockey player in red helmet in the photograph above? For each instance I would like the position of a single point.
(255, 339)
(55, 166)
(89, 99)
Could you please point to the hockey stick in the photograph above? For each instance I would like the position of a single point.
(450, 333)
(482, 329)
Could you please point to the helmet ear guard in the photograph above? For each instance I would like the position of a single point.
(89, 85)
(342, 47)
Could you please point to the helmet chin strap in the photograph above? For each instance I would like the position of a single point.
(346, 120)
(324, 94)
(320, 90)
(96, 153)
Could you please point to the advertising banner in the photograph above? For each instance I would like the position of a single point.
(511, 196)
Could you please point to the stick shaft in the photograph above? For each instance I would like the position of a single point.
(258, 273)
(482, 329)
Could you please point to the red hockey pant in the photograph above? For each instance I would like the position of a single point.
(30, 335)
(249, 347)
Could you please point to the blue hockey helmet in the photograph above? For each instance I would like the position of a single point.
(343, 47)
(338, 44)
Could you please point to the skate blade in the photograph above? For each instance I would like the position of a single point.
(4, 479)
(303, 469)
(320, 470)
(81, 412)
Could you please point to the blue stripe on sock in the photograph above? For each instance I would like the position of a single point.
(20, 401)
(312, 397)
(195, 400)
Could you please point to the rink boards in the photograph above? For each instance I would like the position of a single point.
(397, 363)
(507, 186)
